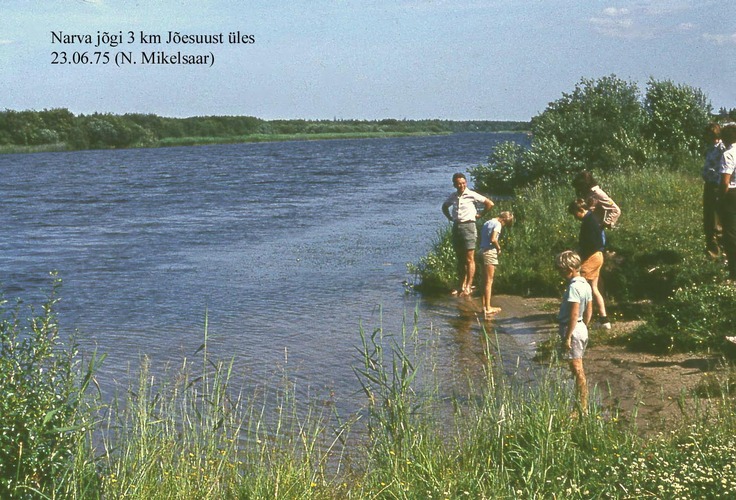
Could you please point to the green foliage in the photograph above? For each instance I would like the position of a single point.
(655, 254)
(437, 271)
(586, 121)
(59, 126)
(677, 115)
(503, 171)
(694, 318)
(195, 435)
(44, 414)
(388, 383)
(603, 125)
(510, 440)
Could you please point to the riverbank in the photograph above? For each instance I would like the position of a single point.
(648, 390)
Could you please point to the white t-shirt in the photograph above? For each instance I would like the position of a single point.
(728, 164)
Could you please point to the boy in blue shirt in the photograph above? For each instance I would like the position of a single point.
(490, 248)
(576, 310)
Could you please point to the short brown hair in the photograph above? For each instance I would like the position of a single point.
(713, 129)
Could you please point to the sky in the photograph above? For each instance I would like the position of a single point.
(354, 59)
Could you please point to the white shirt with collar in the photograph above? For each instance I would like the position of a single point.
(463, 206)
(728, 164)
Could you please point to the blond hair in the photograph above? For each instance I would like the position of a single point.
(507, 217)
(567, 261)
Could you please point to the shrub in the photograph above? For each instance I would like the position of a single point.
(586, 120)
(44, 415)
(438, 269)
(503, 171)
(676, 117)
(693, 318)
(603, 125)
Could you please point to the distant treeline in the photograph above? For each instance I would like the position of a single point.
(61, 128)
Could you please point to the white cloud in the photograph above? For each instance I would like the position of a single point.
(720, 39)
(614, 22)
(645, 19)
(5, 42)
(614, 12)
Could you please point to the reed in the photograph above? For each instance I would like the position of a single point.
(513, 440)
(194, 435)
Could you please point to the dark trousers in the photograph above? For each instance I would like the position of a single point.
(711, 220)
(728, 221)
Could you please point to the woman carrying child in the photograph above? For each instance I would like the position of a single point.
(587, 189)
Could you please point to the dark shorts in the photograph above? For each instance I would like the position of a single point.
(464, 235)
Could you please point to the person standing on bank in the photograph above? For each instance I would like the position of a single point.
(728, 196)
(711, 189)
(490, 248)
(464, 231)
(575, 313)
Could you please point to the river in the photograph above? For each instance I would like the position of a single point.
(287, 248)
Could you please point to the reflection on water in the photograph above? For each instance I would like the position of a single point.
(287, 247)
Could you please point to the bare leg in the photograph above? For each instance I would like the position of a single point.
(490, 272)
(581, 384)
(469, 271)
(598, 298)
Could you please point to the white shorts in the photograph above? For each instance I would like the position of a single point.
(579, 341)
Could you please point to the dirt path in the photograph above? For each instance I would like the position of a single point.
(646, 388)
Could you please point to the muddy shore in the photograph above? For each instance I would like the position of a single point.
(647, 389)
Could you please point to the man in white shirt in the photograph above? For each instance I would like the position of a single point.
(464, 231)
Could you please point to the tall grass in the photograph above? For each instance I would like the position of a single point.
(193, 434)
(511, 440)
(658, 243)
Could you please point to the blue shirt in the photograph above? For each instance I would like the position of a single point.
(712, 165)
(578, 291)
(486, 233)
(592, 238)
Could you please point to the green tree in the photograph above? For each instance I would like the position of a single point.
(676, 117)
(587, 121)
(602, 125)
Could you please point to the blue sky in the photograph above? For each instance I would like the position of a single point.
(324, 59)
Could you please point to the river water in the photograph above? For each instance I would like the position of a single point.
(287, 248)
